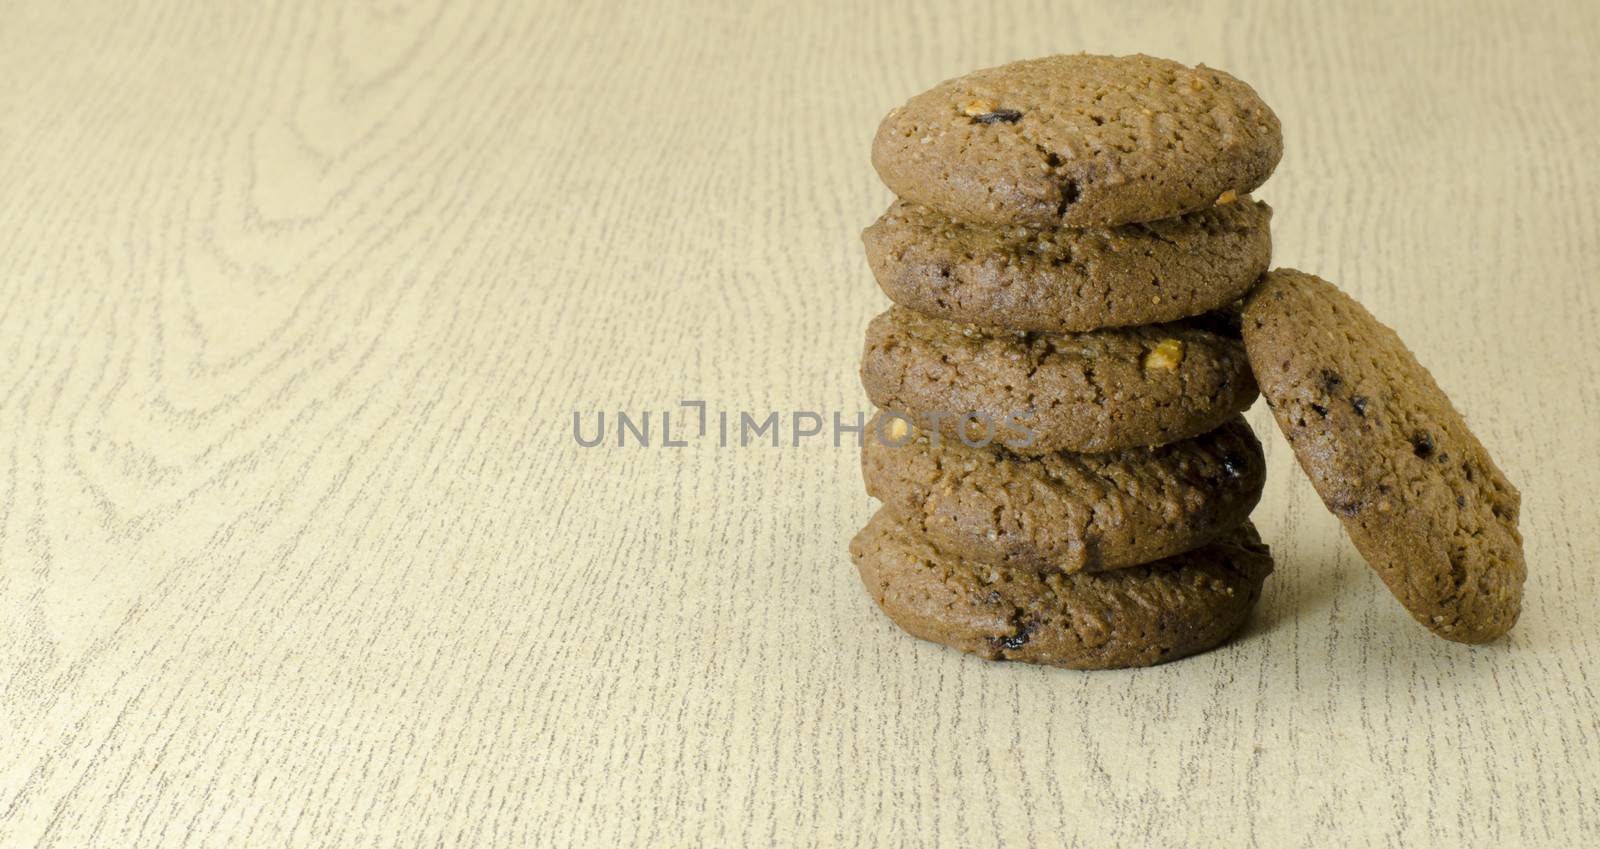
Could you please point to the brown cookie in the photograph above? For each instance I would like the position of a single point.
(1066, 512)
(1092, 392)
(1139, 616)
(1078, 141)
(1389, 454)
(1057, 280)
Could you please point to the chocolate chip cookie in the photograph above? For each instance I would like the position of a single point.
(1389, 454)
(1065, 512)
(1051, 279)
(1139, 616)
(1098, 391)
(1078, 141)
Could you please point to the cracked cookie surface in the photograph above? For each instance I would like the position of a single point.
(1078, 141)
(1088, 392)
(1058, 280)
(1066, 512)
(1390, 456)
(1138, 616)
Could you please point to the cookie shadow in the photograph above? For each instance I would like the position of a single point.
(1305, 589)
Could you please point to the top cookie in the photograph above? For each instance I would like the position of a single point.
(1388, 453)
(1078, 141)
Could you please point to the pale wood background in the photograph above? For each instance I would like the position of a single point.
(296, 548)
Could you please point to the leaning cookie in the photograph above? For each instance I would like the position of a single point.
(1417, 492)
(1139, 616)
(1050, 279)
(1078, 141)
(1088, 392)
(1065, 512)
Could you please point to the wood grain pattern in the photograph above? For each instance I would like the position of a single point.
(296, 548)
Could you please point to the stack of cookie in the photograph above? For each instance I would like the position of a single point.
(1065, 472)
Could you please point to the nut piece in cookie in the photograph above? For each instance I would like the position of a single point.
(1167, 354)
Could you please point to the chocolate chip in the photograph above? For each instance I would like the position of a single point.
(1008, 116)
(1069, 195)
(1233, 466)
(1422, 444)
(1320, 410)
(1331, 381)
(1359, 404)
(1461, 501)
(1020, 638)
(1349, 508)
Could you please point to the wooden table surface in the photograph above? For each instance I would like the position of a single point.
(297, 548)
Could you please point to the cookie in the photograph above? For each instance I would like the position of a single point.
(1388, 453)
(1051, 279)
(1065, 512)
(1139, 616)
(1078, 141)
(1091, 392)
